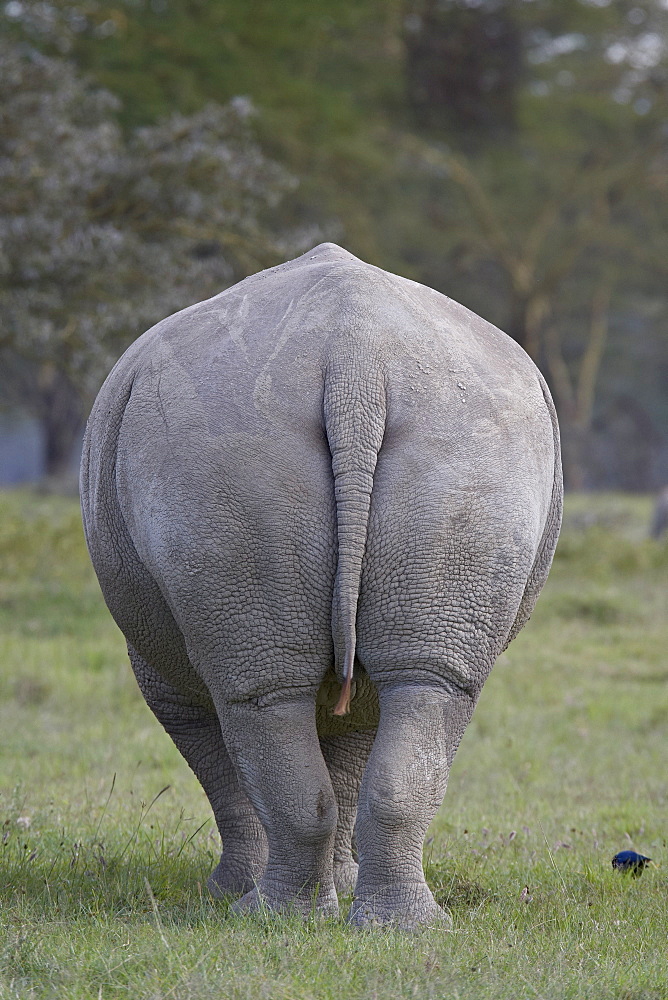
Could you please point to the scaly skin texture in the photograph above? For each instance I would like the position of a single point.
(325, 465)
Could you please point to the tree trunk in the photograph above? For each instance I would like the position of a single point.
(575, 454)
(574, 390)
(59, 412)
(527, 316)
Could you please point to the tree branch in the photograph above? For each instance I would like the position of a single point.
(590, 362)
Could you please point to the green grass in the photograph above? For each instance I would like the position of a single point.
(102, 877)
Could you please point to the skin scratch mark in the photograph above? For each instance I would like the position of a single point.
(262, 387)
(261, 391)
(234, 330)
(283, 339)
(163, 414)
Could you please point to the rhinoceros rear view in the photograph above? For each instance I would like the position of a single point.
(319, 506)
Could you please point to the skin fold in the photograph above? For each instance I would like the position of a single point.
(326, 490)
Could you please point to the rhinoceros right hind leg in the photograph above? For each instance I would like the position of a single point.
(196, 732)
(402, 788)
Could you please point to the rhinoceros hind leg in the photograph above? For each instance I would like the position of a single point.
(346, 757)
(196, 732)
(277, 755)
(403, 786)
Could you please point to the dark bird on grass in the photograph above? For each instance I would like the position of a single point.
(629, 861)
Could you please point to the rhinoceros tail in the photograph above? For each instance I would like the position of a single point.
(354, 412)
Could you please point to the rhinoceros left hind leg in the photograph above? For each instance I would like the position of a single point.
(196, 732)
(275, 748)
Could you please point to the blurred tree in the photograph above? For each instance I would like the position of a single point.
(551, 230)
(562, 244)
(102, 234)
(464, 64)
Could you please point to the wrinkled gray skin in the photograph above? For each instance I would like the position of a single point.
(323, 447)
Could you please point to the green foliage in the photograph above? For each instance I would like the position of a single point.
(104, 233)
(107, 839)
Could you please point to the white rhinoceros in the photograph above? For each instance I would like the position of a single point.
(319, 505)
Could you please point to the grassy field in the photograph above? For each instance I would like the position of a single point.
(107, 839)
